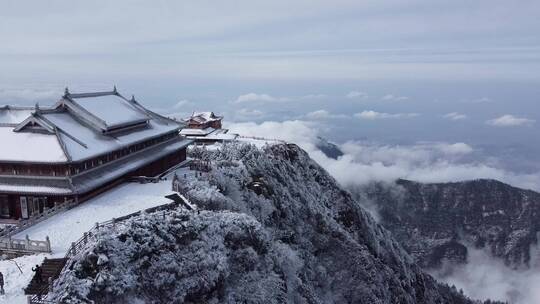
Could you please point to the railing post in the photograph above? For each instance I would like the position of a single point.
(85, 236)
(73, 248)
(27, 245)
(97, 225)
(48, 243)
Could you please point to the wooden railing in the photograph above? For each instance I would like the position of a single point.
(77, 246)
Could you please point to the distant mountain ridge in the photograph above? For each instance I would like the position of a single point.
(329, 149)
(437, 221)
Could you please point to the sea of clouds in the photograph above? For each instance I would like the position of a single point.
(365, 161)
(483, 277)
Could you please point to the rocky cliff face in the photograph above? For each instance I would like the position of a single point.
(329, 149)
(435, 222)
(276, 228)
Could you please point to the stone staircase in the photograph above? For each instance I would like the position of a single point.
(50, 270)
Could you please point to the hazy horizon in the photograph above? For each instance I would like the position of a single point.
(390, 72)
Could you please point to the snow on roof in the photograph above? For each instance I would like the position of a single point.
(95, 178)
(25, 146)
(97, 143)
(14, 115)
(196, 132)
(209, 134)
(81, 122)
(217, 137)
(205, 116)
(112, 109)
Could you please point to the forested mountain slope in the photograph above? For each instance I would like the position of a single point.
(275, 228)
(439, 221)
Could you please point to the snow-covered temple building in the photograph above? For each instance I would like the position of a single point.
(203, 120)
(78, 148)
(206, 127)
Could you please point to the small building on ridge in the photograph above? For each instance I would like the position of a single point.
(203, 120)
(206, 127)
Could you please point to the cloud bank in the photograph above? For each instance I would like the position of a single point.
(10, 96)
(510, 121)
(254, 97)
(356, 94)
(373, 115)
(324, 114)
(485, 277)
(455, 116)
(266, 98)
(364, 161)
(392, 97)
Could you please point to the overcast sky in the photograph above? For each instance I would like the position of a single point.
(398, 72)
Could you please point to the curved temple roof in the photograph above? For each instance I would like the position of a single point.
(81, 126)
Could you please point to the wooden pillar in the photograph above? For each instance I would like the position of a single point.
(11, 206)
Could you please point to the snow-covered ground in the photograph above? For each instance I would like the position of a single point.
(69, 226)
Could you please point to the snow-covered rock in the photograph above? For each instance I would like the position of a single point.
(274, 227)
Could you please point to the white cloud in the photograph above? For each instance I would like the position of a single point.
(29, 95)
(391, 97)
(364, 162)
(455, 116)
(263, 98)
(249, 113)
(373, 115)
(314, 96)
(245, 114)
(357, 94)
(175, 115)
(510, 121)
(436, 162)
(254, 97)
(221, 39)
(323, 114)
(300, 132)
(486, 277)
(457, 148)
(481, 100)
